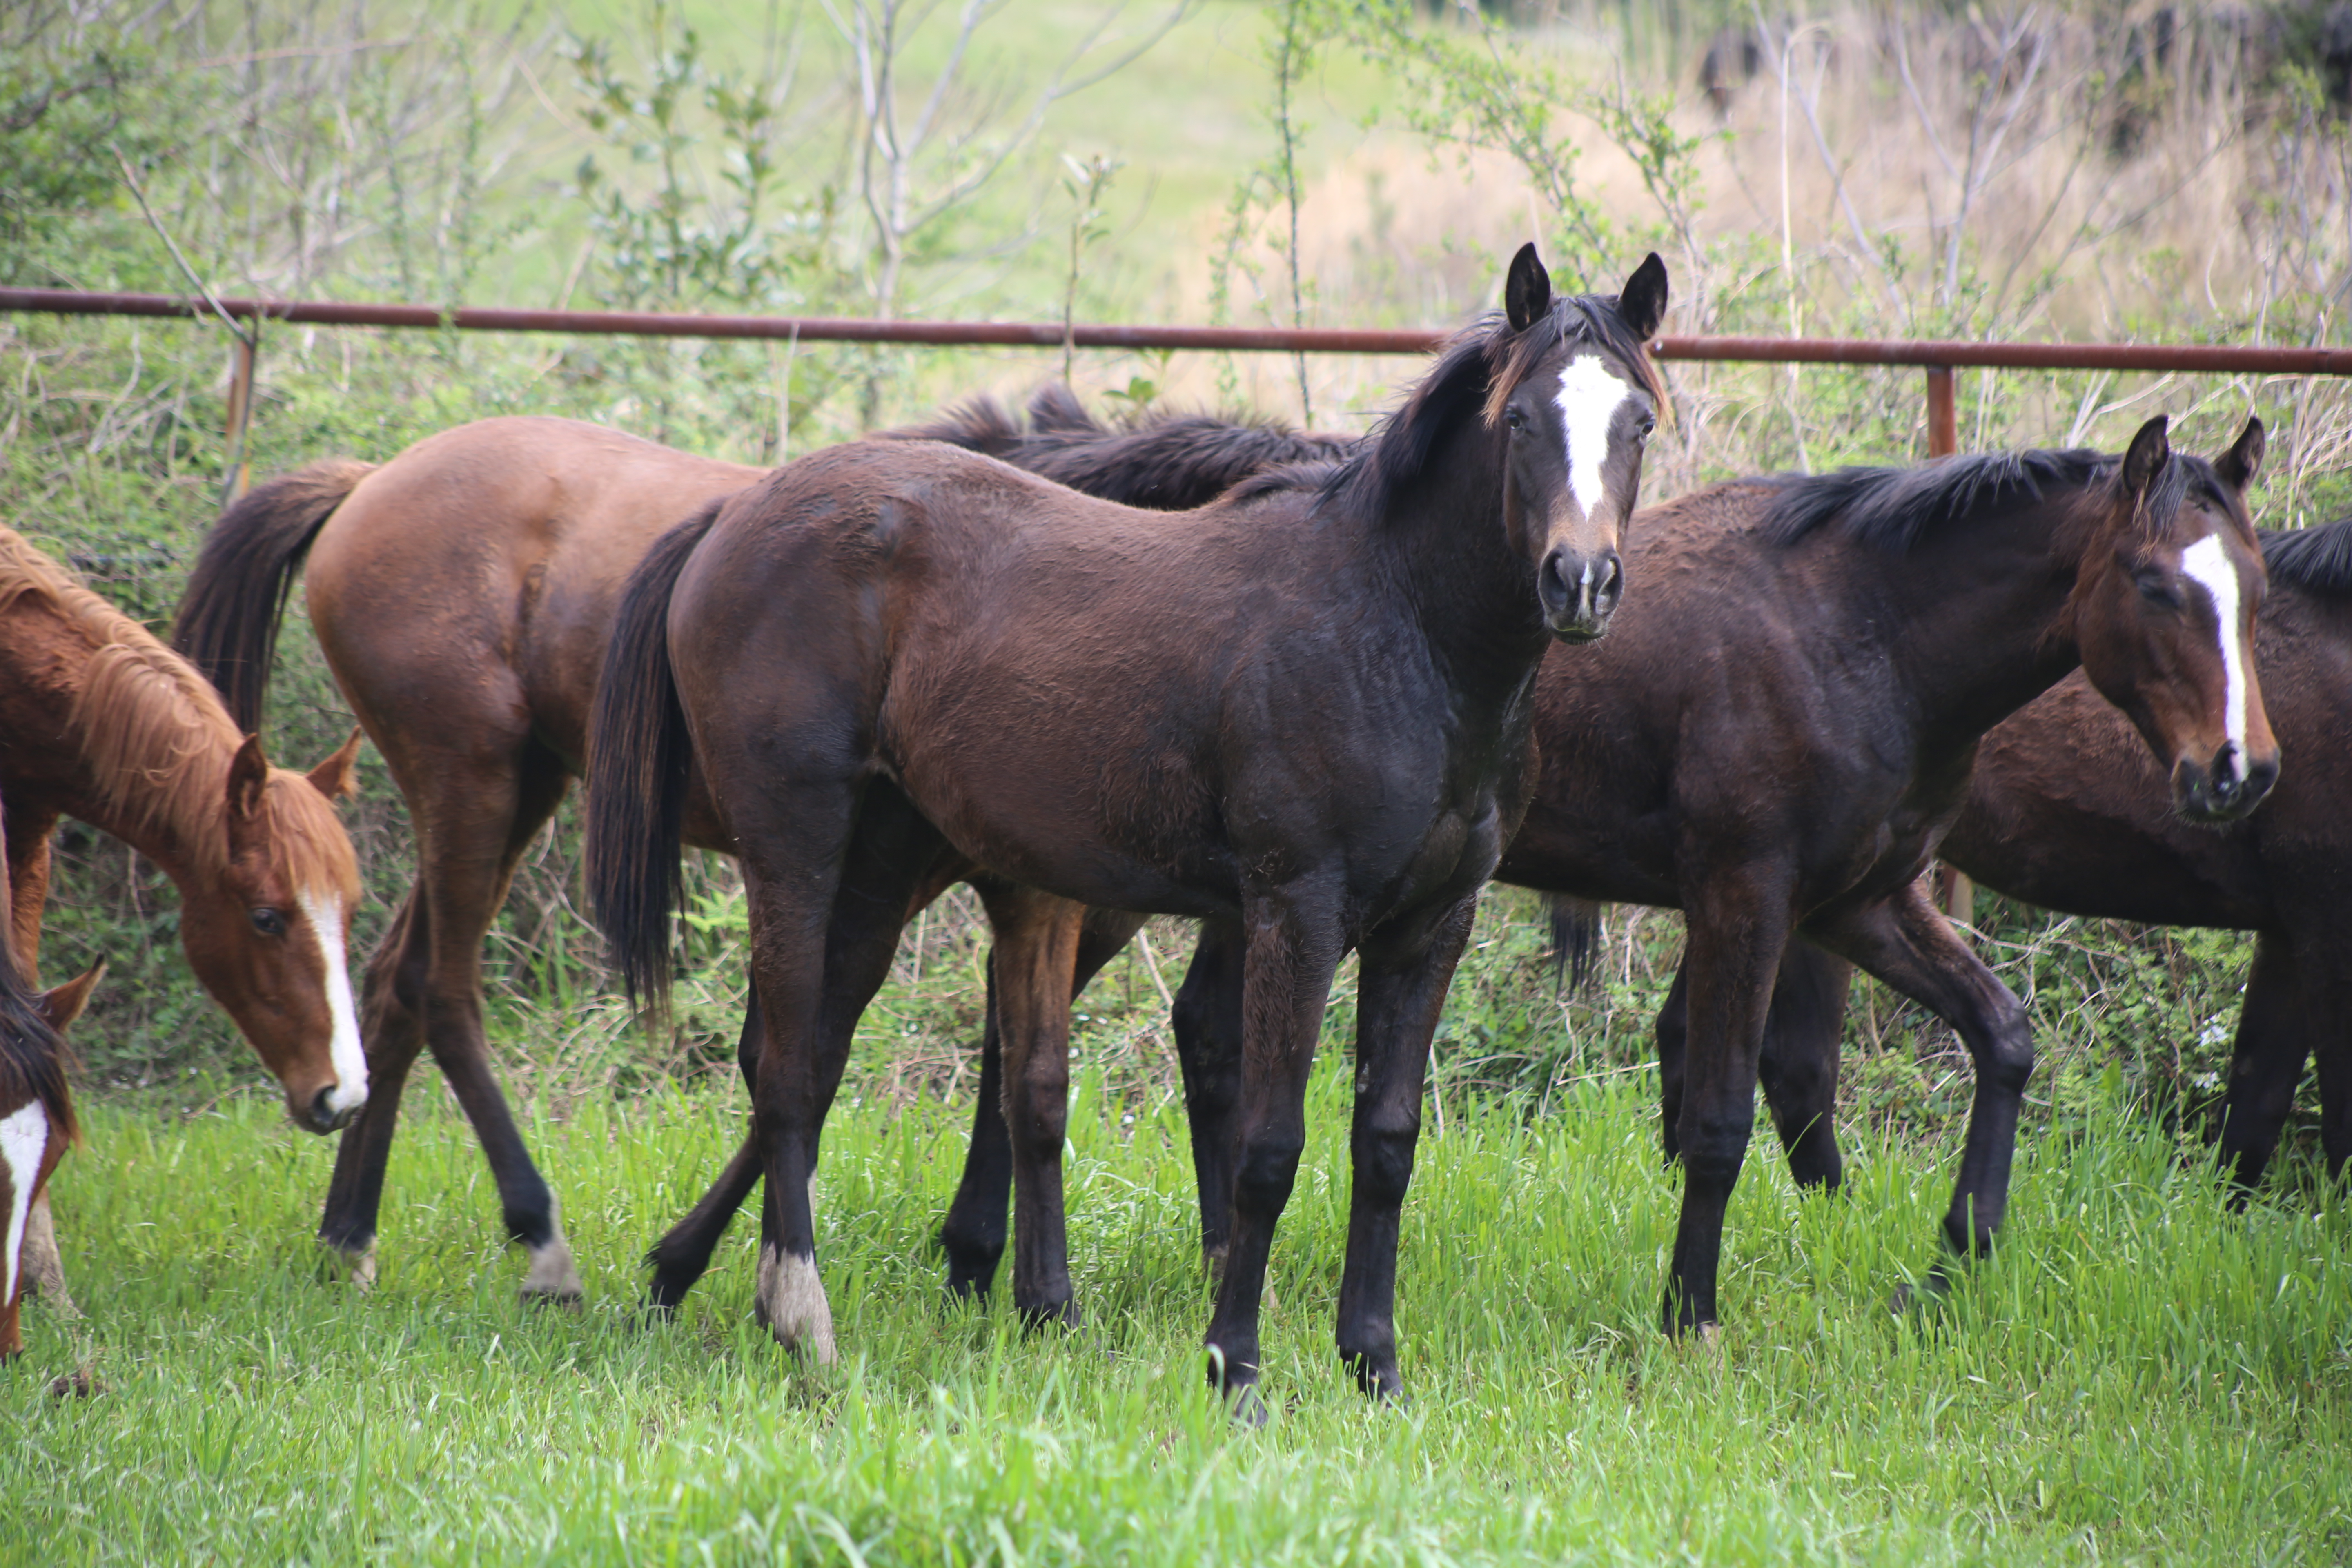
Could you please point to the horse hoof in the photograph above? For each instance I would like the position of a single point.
(551, 1277)
(571, 1301)
(1908, 1299)
(354, 1265)
(1249, 1409)
(1035, 1320)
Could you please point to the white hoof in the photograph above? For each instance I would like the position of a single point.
(552, 1278)
(790, 1301)
(357, 1264)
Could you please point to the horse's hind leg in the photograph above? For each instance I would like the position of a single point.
(1904, 942)
(475, 813)
(973, 1234)
(1799, 1064)
(2265, 1064)
(683, 1254)
(1672, 1035)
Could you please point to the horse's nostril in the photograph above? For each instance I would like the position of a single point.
(322, 1109)
(1551, 581)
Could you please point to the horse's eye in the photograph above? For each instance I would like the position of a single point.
(2157, 588)
(268, 922)
(1649, 423)
(1514, 419)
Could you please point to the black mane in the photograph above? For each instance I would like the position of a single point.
(1893, 509)
(2317, 558)
(1167, 461)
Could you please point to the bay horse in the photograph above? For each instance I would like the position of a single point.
(100, 721)
(1776, 735)
(463, 594)
(2067, 811)
(1303, 711)
(36, 1117)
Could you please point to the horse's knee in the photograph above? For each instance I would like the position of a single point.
(2005, 1060)
(1269, 1166)
(1383, 1157)
(1715, 1147)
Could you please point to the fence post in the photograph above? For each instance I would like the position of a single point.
(238, 475)
(1955, 894)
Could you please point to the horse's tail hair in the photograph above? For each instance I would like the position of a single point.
(640, 757)
(1575, 941)
(34, 1057)
(228, 623)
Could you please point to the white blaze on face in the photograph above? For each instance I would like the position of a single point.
(1589, 396)
(2207, 561)
(24, 1138)
(325, 913)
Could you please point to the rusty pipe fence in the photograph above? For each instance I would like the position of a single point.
(1936, 359)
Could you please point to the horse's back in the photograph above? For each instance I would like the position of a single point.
(481, 566)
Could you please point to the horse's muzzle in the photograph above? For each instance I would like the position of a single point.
(2226, 791)
(1579, 593)
(320, 1115)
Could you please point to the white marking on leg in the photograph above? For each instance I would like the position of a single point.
(24, 1139)
(326, 918)
(2208, 563)
(793, 1298)
(551, 1275)
(1589, 396)
(45, 1271)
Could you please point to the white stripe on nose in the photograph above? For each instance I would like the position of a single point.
(2208, 563)
(24, 1138)
(325, 914)
(1589, 396)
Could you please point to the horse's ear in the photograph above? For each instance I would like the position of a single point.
(1526, 292)
(61, 1004)
(2243, 460)
(1642, 304)
(2145, 458)
(337, 778)
(249, 776)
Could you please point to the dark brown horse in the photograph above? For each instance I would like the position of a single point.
(2068, 810)
(36, 1117)
(1301, 712)
(1771, 771)
(100, 721)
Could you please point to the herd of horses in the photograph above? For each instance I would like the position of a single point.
(1313, 691)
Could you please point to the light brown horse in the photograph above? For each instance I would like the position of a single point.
(100, 721)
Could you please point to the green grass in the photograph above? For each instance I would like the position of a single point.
(2138, 1376)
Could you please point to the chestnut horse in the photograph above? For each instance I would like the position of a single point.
(1303, 710)
(463, 594)
(100, 721)
(2068, 810)
(36, 1117)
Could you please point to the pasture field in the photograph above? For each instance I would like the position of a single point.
(2139, 1377)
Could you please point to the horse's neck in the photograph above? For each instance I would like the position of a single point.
(1983, 623)
(1474, 596)
(54, 766)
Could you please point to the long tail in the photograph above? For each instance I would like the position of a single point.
(1575, 940)
(228, 625)
(639, 760)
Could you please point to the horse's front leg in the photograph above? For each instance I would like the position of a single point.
(1030, 970)
(1738, 925)
(1903, 941)
(2265, 1064)
(1292, 945)
(1207, 1023)
(1399, 998)
(973, 1234)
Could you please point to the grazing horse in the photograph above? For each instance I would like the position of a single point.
(36, 1117)
(100, 721)
(1783, 723)
(2068, 810)
(463, 594)
(1301, 712)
